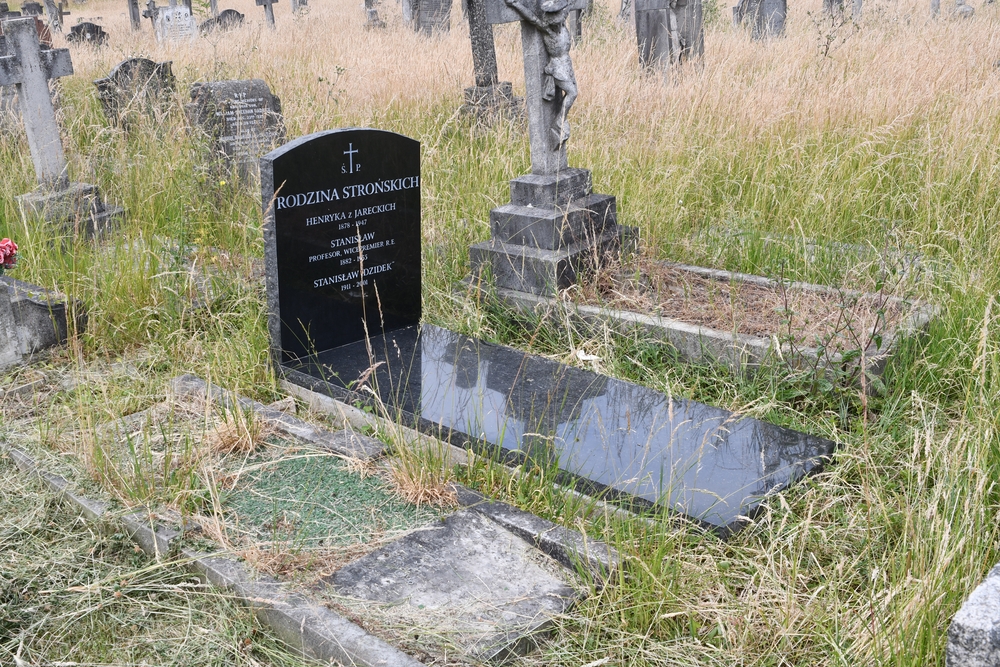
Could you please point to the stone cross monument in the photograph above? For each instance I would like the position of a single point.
(489, 97)
(268, 11)
(555, 226)
(29, 68)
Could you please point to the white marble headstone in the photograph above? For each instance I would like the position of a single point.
(175, 24)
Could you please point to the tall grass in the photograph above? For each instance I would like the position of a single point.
(888, 140)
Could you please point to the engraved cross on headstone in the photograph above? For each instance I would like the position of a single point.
(549, 82)
(29, 68)
(268, 11)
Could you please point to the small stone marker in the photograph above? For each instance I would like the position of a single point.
(174, 24)
(29, 67)
(242, 117)
(765, 17)
(136, 85)
(341, 238)
(227, 20)
(87, 33)
(432, 16)
(669, 32)
(268, 6)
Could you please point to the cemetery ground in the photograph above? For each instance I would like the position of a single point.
(880, 135)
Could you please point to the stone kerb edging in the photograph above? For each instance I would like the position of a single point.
(695, 343)
(974, 633)
(314, 629)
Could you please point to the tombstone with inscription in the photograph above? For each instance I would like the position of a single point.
(342, 239)
(342, 261)
(554, 226)
(669, 32)
(174, 24)
(87, 33)
(765, 18)
(137, 86)
(242, 118)
(57, 200)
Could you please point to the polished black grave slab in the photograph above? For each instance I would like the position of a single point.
(634, 443)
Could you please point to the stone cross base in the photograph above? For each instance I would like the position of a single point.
(78, 209)
(553, 229)
(490, 103)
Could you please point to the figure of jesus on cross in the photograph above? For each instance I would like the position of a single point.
(559, 77)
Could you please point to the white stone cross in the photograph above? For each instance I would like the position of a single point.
(29, 68)
(547, 155)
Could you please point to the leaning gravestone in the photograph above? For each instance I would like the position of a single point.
(766, 18)
(136, 86)
(342, 258)
(77, 206)
(242, 117)
(174, 24)
(669, 32)
(87, 33)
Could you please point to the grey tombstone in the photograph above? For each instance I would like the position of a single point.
(554, 226)
(372, 20)
(29, 67)
(136, 86)
(299, 6)
(489, 98)
(242, 118)
(174, 24)
(766, 18)
(268, 11)
(134, 17)
(31, 8)
(228, 19)
(669, 32)
(87, 33)
(150, 12)
(432, 16)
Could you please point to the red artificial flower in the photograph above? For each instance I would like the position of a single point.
(8, 254)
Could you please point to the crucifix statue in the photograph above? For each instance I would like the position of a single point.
(548, 73)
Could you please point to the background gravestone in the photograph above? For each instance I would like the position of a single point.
(136, 85)
(659, 44)
(766, 18)
(87, 33)
(174, 24)
(228, 19)
(242, 117)
(431, 15)
(341, 239)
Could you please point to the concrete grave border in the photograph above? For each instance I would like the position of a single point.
(699, 344)
(317, 631)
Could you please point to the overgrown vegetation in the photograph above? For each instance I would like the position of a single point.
(880, 142)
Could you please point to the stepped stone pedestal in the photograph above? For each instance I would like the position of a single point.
(554, 228)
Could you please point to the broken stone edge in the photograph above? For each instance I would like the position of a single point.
(974, 633)
(317, 631)
(698, 344)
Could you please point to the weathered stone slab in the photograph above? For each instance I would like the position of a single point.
(465, 580)
(974, 633)
(136, 86)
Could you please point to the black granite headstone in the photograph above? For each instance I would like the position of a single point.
(341, 238)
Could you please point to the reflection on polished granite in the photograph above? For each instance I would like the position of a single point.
(638, 444)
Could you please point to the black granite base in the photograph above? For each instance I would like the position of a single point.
(627, 443)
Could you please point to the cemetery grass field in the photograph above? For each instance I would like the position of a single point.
(881, 134)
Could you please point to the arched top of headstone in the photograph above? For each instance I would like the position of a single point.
(137, 85)
(342, 238)
(87, 33)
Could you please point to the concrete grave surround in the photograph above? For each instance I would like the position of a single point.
(76, 207)
(242, 118)
(136, 86)
(467, 581)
